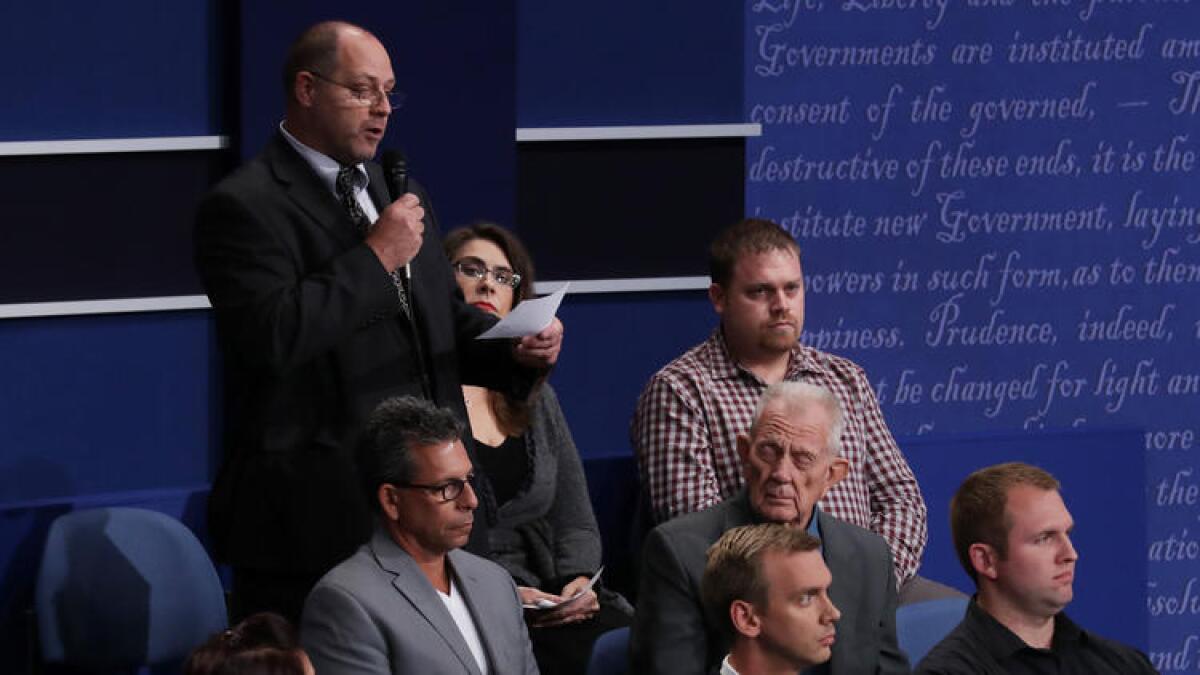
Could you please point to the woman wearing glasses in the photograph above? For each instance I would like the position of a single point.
(545, 533)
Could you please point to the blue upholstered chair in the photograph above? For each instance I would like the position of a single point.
(922, 625)
(610, 653)
(120, 588)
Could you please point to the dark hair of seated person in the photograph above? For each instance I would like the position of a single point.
(512, 414)
(262, 644)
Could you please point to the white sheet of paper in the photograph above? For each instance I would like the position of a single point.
(546, 604)
(529, 317)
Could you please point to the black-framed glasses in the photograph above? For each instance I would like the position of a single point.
(475, 269)
(448, 490)
(364, 95)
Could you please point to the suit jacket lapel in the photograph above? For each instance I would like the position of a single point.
(841, 593)
(738, 513)
(377, 187)
(473, 592)
(308, 192)
(411, 583)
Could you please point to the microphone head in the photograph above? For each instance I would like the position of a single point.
(392, 159)
(395, 171)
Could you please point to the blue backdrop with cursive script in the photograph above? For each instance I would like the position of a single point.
(997, 208)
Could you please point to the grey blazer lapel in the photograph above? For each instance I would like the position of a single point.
(308, 192)
(844, 594)
(737, 512)
(474, 591)
(411, 583)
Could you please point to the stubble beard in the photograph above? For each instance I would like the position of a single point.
(779, 341)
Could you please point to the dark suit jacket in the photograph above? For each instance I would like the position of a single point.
(312, 342)
(672, 633)
(377, 613)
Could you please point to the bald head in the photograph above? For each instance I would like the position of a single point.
(316, 49)
(340, 81)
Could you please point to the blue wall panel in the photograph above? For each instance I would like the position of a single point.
(139, 68)
(583, 205)
(83, 227)
(105, 403)
(612, 344)
(628, 62)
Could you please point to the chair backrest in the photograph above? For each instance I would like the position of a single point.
(610, 653)
(123, 587)
(922, 625)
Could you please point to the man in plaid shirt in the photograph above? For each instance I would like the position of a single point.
(692, 411)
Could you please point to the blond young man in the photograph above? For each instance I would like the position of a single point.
(768, 587)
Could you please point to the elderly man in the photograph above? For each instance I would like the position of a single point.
(409, 601)
(329, 297)
(1012, 533)
(768, 588)
(791, 459)
(692, 411)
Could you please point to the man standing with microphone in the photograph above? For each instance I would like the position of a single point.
(329, 297)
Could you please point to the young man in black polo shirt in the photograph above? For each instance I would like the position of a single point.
(1012, 534)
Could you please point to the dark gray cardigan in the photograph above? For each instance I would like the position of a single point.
(546, 535)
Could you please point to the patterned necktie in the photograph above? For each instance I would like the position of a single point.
(346, 185)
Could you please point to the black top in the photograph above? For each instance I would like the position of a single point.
(981, 644)
(506, 466)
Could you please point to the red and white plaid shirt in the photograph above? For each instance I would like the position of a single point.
(690, 414)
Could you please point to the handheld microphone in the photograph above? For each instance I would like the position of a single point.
(395, 171)
(395, 174)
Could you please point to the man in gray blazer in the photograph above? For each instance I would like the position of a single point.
(408, 601)
(790, 458)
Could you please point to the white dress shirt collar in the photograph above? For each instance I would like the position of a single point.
(326, 167)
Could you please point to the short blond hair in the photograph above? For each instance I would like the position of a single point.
(734, 571)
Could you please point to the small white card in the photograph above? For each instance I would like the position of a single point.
(528, 318)
(546, 604)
